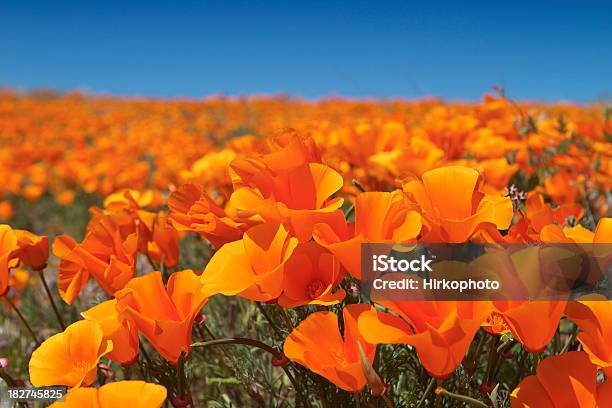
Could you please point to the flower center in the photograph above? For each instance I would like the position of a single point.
(314, 289)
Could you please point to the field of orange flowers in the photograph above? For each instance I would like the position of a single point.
(207, 252)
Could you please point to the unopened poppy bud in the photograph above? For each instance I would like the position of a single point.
(279, 360)
(200, 318)
(4, 362)
(377, 387)
(179, 402)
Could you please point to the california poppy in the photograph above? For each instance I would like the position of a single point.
(33, 249)
(163, 246)
(134, 394)
(191, 209)
(103, 254)
(71, 357)
(542, 214)
(440, 331)
(578, 234)
(456, 219)
(379, 217)
(163, 315)
(298, 198)
(122, 333)
(316, 343)
(8, 244)
(594, 318)
(534, 334)
(253, 267)
(564, 380)
(311, 275)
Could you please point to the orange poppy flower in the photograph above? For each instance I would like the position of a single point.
(316, 343)
(534, 334)
(440, 331)
(163, 315)
(33, 249)
(496, 173)
(253, 267)
(69, 358)
(594, 318)
(8, 244)
(142, 199)
(311, 274)
(415, 155)
(541, 214)
(134, 394)
(495, 324)
(102, 254)
(129, 218)
(6, 210)
(565, 380)
(563, 187)
(20, 278)
(454, 207)
(191, 209)
(164, 244)
(123, 334)
(530, 273)
(288, 148)
(379, 217)
(211, 169)
(298, 198)
(579, 234)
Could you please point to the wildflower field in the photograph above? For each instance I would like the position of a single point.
(206, 253)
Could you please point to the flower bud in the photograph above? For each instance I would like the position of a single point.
(279, 360)
(200, 318)
(179, 402)
(377, 387)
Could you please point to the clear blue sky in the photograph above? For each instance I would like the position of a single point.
(453, 49)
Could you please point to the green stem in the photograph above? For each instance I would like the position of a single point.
(7, 378)
(463, 398)
(182, 379)
(569, 341)
(255, 343)
(53, 305)
(285, 316)
(349, 211)
(269, 319)
(471, 361)
(493, 356)
(23, 320)
(430, 386)
(360, 186)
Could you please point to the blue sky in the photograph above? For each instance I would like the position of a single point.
(453, 49)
